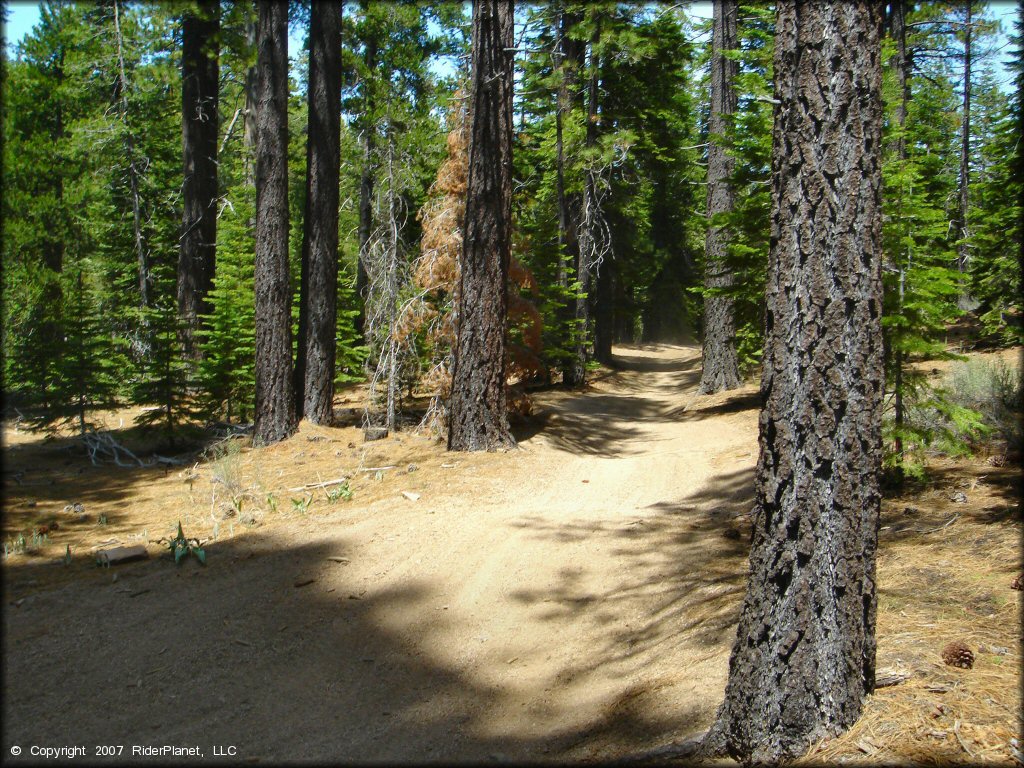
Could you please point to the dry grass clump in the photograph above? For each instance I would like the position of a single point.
(944, 573)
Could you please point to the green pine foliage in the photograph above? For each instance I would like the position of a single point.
(227, 371)
(646, 133)
(352, 351)
(996, 213)
(922, 287)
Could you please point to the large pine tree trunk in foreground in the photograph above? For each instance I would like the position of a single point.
(720, 366)
(314, 366)
(804, 657)
(275, 403)
(477, 413)
(200, 80)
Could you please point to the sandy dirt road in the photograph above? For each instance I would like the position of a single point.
(574, 598)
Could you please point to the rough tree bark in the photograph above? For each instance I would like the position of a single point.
(275, 402)
(804, 656)
(478, 418)
(200, 81)
(318, 294)
(720, 369)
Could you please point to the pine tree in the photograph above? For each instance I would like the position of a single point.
(314, 366)
(477, 408)
(275, 402)
(226, 372)
(200, 79)
(720, 367)
(996, 232)
(804, 657)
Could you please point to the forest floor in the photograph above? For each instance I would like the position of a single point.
(572, 599)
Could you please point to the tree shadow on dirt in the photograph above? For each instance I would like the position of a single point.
(38, 479)
(594, 424)
(274, 651)
(682, 544)
(597, 423)
(660, 377)
(744, 401)
(683, 569)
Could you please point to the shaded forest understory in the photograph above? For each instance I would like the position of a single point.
(575, 598)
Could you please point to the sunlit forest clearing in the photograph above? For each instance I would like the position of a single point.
(568, 382)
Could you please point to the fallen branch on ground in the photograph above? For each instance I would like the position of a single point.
(320, 485)
(887, 680)
(956, 732)
(946, 524)
(103, 445)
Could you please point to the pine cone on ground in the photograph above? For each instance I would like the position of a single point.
(1017, 583)
(956, 654)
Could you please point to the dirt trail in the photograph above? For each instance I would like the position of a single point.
(573, 598)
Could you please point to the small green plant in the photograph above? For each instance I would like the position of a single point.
(101, 520)
(20, 544)
(302, 505)
(181, 546)
(15, 545)
(342, 491)
(272, 502)
(67, 556)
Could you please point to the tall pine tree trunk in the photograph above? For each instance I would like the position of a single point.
(249, 122)
(604, 317)
(963, 251)
(901, 62)
(478, 418)
(200, 81)
(586, 234)
(366, 182)
(275, 402)
(318, 294)
(569, 54)
(720, 365)
(804, 657)
(134, 172)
